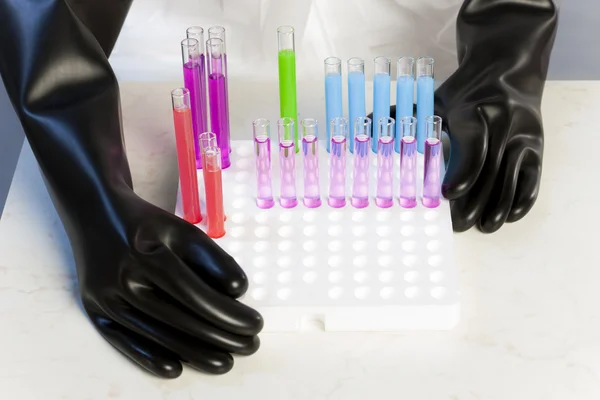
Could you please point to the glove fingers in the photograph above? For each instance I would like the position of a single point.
(147, 354)
(188, 349)
(179, 281)
(528, 186)
(208, 260)
(162, 307)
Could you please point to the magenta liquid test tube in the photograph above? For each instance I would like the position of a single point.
(217, 90)
(433, 155)
(310, 150)
(337, 164)
(192, 54)
(408, 162)
(287, 162)
(385, 162)
(261, 130)
(218, 32)
(360, 182)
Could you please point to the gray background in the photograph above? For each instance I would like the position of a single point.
(574, 58)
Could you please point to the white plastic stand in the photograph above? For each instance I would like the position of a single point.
(368, 269)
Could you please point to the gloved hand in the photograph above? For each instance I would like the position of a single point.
(156, 288)
(491, 110)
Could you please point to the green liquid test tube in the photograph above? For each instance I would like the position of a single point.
(287, 77)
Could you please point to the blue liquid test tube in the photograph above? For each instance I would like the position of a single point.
(405, 93)
(333, 93)
(381, 93)
(425, 87)
(356, 95)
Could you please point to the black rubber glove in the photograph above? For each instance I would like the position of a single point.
(157, 288)
(491, 110)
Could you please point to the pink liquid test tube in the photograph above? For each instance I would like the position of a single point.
(287, 162)
(213, 185)
(385, 162)
(433, 155)
(310, 150)
(261, 130)
(360, 183)
(408, 162)
(217, 90)
(337, 163)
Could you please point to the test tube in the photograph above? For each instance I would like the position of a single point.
(217, 90)
(213, 185)
(425, 86)
(356, 94)
(287, 162)
(405, 93)
(408, 162)
(385, 163)
(360, 183)
(381, 93)
(193, 74)
(186, 159)
(310, 149)
(333, 92)
(261, 129)
(287, 76)
(433, 152)
(337, 164)
(218, 32)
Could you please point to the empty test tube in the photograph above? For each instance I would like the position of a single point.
(433, 156)
(405, 92)
(356, 95)
(213, 185)
(425, 91)
(381, 93)
(385, 163)
(360, 183)
(337, 164)
(287, 162)
(310, 150)
(408, 162)
(186, 158)
(217, 90)
(261, 129)
(333, 92)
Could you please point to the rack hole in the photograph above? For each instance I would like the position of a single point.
(361, 292)
(284, 293)
(387, 292)
(438, 292)
(310, 277)
(386, 276)
(335, 276)
(411, 276)
(336, 292)
(411, 292)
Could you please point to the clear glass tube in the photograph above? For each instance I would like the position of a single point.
(219, 102)
(361, 166)
(337, 164)
(310, 149)
(287, 76)
(408, 162)
(213, 185)
(425, 92)
(333, 92)
(218, 32)
(194, 80)
(356, 94)
(405, 93)
(261, 129)
(433, 155)
(385, 163)
(186, 158)
(381, 93)
(287, 162)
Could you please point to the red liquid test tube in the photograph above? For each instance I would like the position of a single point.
(186, 155)
(213, 185)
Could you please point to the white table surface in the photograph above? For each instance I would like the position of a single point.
(530, 324)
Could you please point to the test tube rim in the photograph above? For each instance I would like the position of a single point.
(314, 123)
(425, 63)
(261, 123)
(411, 63)
(190, 44)
(183, 94)
(217, 27)
(282, 123)
(361, 121)
(345, 124)
(282, 29)
(212, 138)
(361, 61)
(190, 31)
(390, 126)
(336, 61)
(434, 121)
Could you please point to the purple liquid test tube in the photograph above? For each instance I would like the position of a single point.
(261, 130)
(219, 33)
(337, 164)
(433, 155)
(310, 150)
(385, 162)
(287, 162)
(192, 55)
(408, 162)
(360, 183)
(217, 90)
